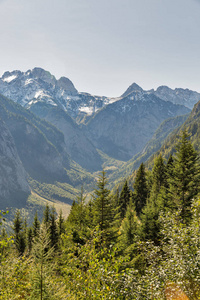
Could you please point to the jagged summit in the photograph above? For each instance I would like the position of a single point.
(132, 88)
(178, 95)
(40, 86)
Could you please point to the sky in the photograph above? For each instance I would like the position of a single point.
(103, 46)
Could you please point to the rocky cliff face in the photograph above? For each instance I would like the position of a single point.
(14, 186)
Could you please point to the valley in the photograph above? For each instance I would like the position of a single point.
(62, 138)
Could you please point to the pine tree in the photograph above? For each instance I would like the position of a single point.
(29, 237)
(151, 225)
(61, 227)
(42, 252)
(46, 216)
(103, 212)
(36, 225)
(53, 230)
(129, 226)
(140, 189)
(124, 199)
(184, 182)
(158, 174)
(19, 235)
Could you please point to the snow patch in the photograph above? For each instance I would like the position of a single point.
(10, 78)
(86, 109)
(40, 94)
(28, 81)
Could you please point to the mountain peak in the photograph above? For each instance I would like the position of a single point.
(44, 75)
(132, 88)
(66, 84)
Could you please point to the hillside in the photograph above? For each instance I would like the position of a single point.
(41, 152)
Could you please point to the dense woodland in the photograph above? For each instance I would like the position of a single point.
(140, 242)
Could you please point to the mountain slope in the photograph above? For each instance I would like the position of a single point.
(122, 129)
(192, 125)
(80, 148)
(42, 150)
(14, 187)
(149, 150)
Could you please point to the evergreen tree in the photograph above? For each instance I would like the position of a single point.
(81, 209)
(61, 227)
(140, 189)
(129, 226)
(46, 215)
(184, 181)
(158, 174)
(36, 225)
(42, 253)
(124, 199)
(19, 235)
(103, 212)
(29, 237)
(53, 230)
(151, 225)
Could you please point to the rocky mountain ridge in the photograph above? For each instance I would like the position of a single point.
(40, 86)
(180, 96)
(122, 129)
(37, 85)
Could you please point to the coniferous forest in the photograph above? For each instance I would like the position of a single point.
(139, 242)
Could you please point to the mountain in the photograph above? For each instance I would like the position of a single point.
(14, 187)
(152, 146)
(132, 88)
(79, 147)
(121, 129)
(41, 149)
(192, 125)
(38, 85)
(178, 96)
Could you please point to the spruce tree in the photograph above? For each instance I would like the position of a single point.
(124, 199)
(103, 212)
(36, 225)
(184, 182)
(151, 226)
(158, 174)
(46, 215)
(53, 230)
(129, 226)
(61, 227)
(155, 203)
(140, 189)
(42, 253)
(19, 235)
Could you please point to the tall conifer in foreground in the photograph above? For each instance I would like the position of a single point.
(140, 189)
(184, 182)
(103, 208)
(124, 199)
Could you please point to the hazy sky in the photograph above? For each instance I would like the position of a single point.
(103, 46)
